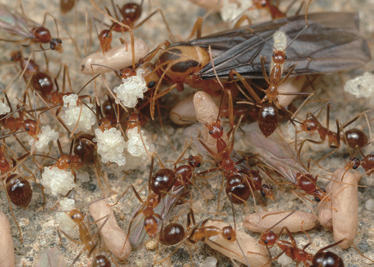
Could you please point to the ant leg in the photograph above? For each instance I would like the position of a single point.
(196, 28)
(241, 20)
(288, 74)
(163, 18)
(246, 85)
(70, 238)
(263, 62)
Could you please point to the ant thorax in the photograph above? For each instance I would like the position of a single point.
(46, 135)
(75, 115)
(56, 181)
(131, 89)
(111, 145)
(64, 221)
(280, 44)
(135, 146)
(4, 109)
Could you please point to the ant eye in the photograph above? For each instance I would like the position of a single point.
(190, 156)
(355, 166)
(273, 55)
(27, 128)
(266, 242)
(285, 57)
(263, 193)
(69, 161)
(210, 131)
(309, 128)
(323, 189)
(221, 128)
(229, 238)
(151, 84)
(59, 157)
(100, 123)
(128, 118)
(34, 121)
(198, 164)
(263, 4)
(317, 199)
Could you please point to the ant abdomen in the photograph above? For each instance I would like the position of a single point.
(238, 188)
(368, 164)
(355, 138)
(327, 259)
(172, 234)
(42, 83)
(268, 119)
(162, 181)
(101, 261)
(19, 190)
(229, 233)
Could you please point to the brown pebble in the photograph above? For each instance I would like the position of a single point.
(256, 222)
(253, 251)
(345, 207)
(113, 236)
(6, 242)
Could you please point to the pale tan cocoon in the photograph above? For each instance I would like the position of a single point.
(325, 210)
(292, 85)
(113, 236)
(249, 245)
(116, 58)
(256, 222)
(345, 207)
(6, 242)
(185, 110)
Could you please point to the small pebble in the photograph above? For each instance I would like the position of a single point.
(209, 262)
(284, 260)
(369, 204)
(151, 244)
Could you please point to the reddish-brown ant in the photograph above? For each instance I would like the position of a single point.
(67, 5)
(18, 24)
(353, 138)
(85, 237)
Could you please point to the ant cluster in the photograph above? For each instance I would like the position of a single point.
(103, 127)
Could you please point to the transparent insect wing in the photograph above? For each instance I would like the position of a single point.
(240, 49)
(165, 209)
(275, 152)
(15, 23)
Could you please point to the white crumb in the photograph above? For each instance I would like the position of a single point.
(45, 136)
(361, 86)
(111, 145)
(72, 112)
(56, 181)
(131, 89)
(4, 109)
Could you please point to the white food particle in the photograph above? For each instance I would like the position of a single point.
(65, 222)
(135, 145)
(291, 130)
(369, 204)
(361, 86)
(284, 260)
(56, 181)
(131, 89)
(45, 136)
(280, 40)
(73, 112)
(209, 262)
(111, 146)
(4, 109)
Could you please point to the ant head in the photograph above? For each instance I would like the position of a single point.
(353, 163)
(309, 125)
(127, 73)
(268, 239)
(56, 44)
(215, 129)
(106, 124)
(229, 233)
(279, 57)
(260, 3)
(105, 38)
(76, 215)
(266, 191)
(133, 120)
(320, 194)
(42, 34)
(15, 56)
(151, 76)
(31, 127)
(195, 161)
(63, 162)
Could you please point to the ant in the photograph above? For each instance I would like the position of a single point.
(85, 237)
(353, 138)
(18, 24)
(367, 163)
(130, 14)
(268, 118)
